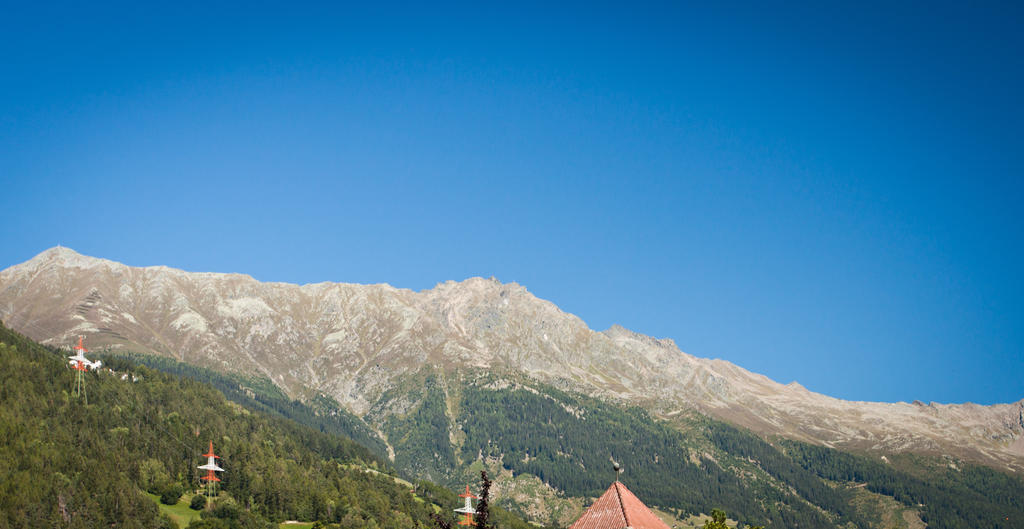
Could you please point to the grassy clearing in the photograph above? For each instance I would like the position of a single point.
(180, 512)
(296, 525)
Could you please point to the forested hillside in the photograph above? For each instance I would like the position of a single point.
(147, 434)
(260, 394)
(949, 494)
(65, 463)
(686, 467)
(571, 440)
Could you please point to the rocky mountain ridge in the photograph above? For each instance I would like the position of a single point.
(353, 342)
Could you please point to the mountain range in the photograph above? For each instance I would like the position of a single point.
(354, 343)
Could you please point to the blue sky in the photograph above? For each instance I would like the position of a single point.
(826, 194)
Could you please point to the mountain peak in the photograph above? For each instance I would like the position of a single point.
(477, 283)
(58, 252)
(477, 288)
(60, 256)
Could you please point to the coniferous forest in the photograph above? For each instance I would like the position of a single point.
(569, 440)
(65, 463)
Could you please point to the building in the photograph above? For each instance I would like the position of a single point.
(618, 508)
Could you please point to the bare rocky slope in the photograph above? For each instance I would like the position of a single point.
(354, 342)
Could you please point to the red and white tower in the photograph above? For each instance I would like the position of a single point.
(81, 364)
(210, 479)
(467, 511)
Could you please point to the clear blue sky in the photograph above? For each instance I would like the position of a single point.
(827, 194)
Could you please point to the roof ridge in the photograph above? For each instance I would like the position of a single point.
(618, 494)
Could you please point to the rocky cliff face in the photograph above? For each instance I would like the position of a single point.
(354, 342)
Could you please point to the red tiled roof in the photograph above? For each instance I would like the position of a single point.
(618, 508)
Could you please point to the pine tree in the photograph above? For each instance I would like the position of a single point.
(483, 510)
